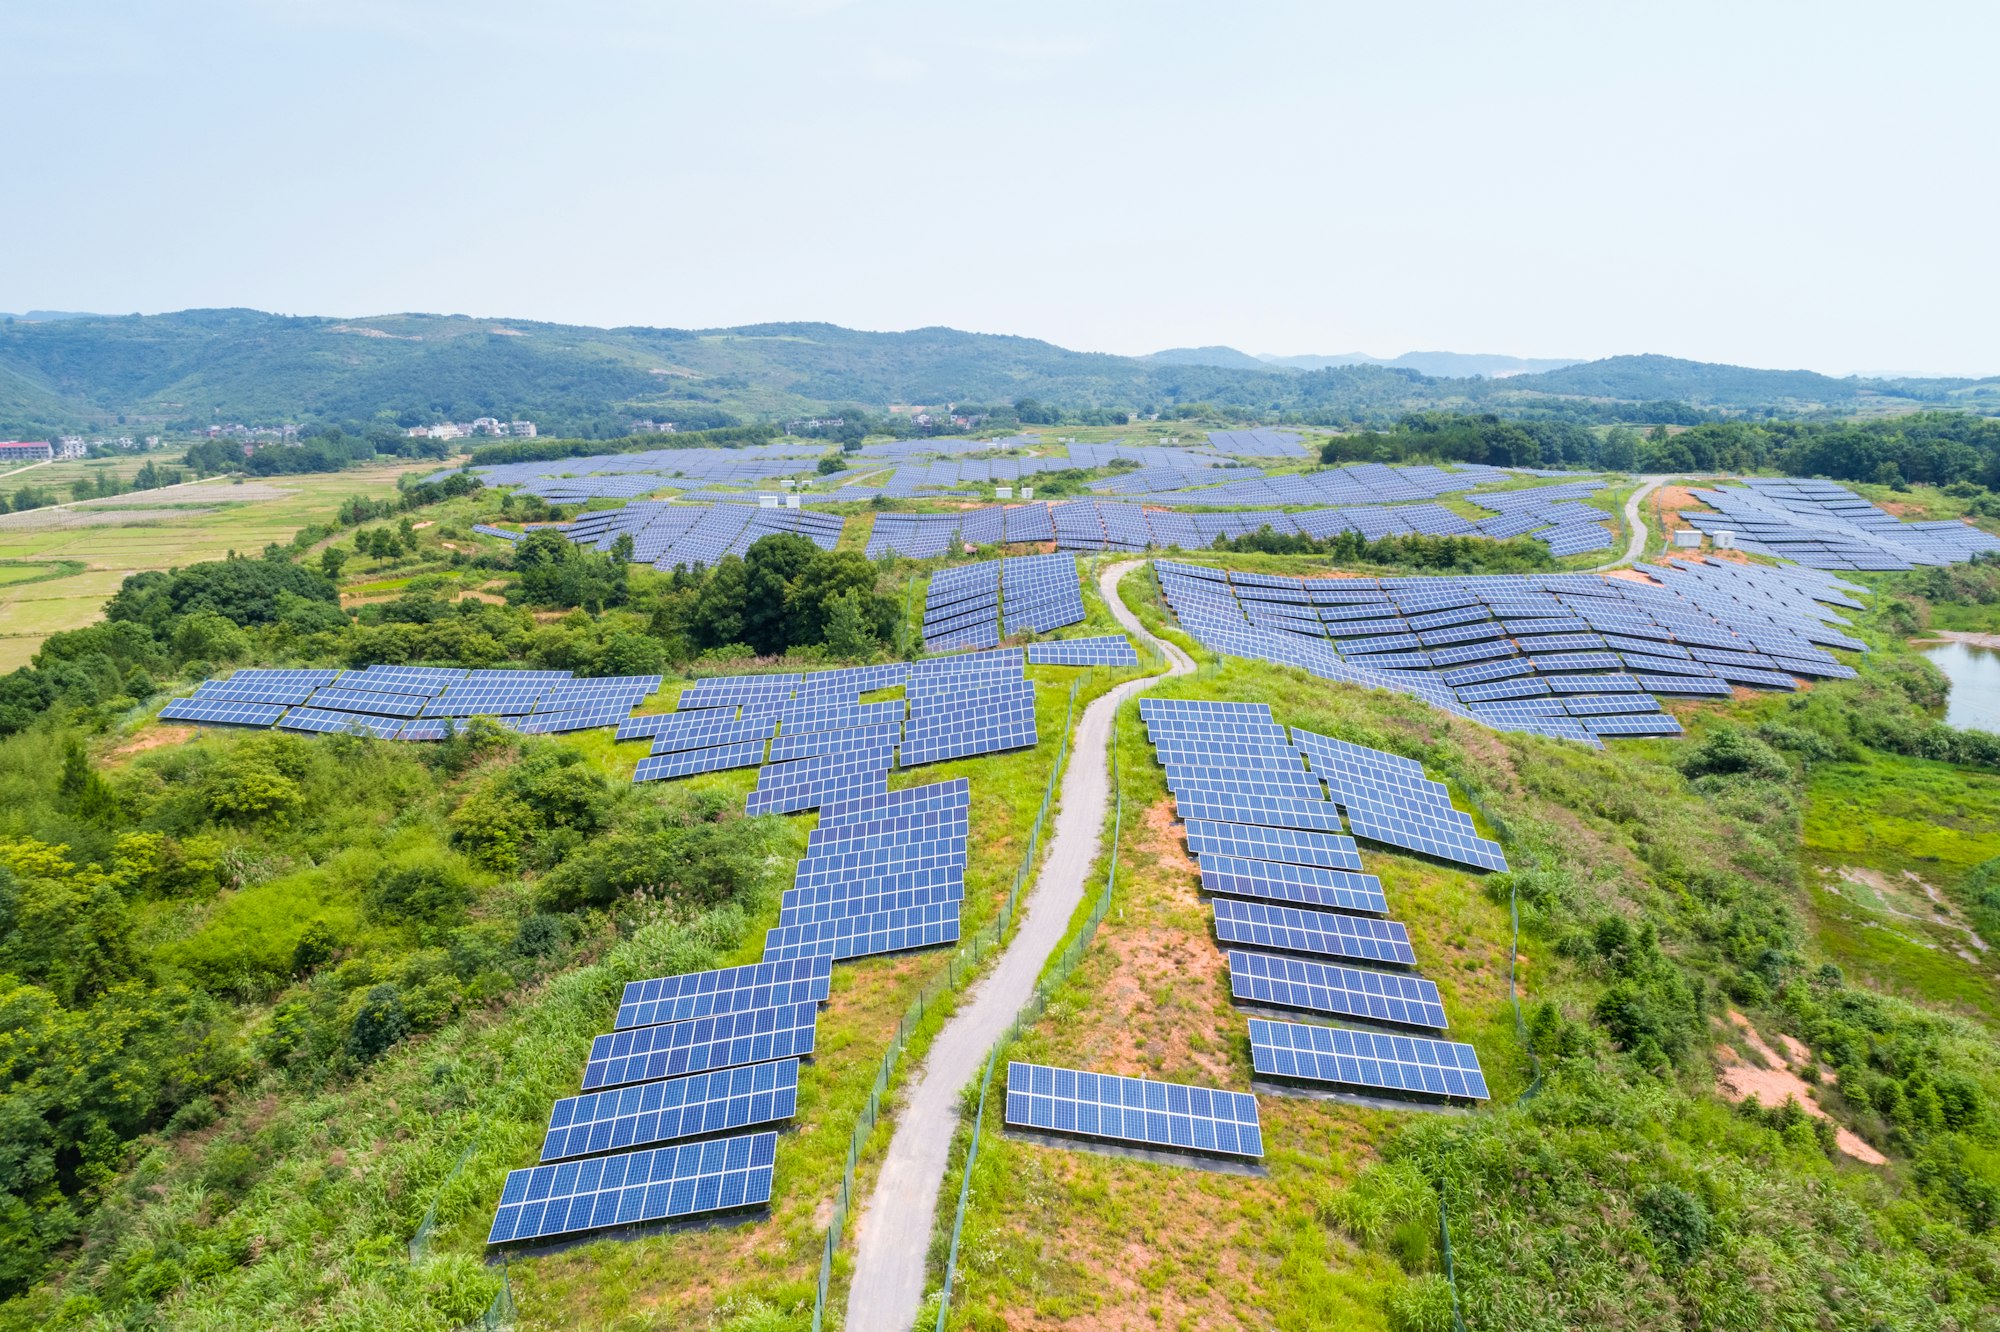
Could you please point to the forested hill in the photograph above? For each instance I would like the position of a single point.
(201, 366)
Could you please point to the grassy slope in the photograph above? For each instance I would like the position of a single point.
(1061, 1238)
(317, 1240)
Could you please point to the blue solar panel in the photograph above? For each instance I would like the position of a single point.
(1135, 1110)
(746, 1036)
(315, 720)
(810, 744)
(955, 794)
(1321, 987)
(697, 994)
(635, 1187)
(1330, 851)
(1406, 1065)
(653, 1112)
(230, 691)
(1266, 811)
(702, 730)
(579, 718)
(221, 713)
(987, 731)
(686, 762)
(885, 833)
(1306, 885)
(1327, 933)
(857, 936)
(375, 704)
(1296, 784)
(1111, 650)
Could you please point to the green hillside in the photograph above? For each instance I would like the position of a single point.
(282, 1012)
(196, 367)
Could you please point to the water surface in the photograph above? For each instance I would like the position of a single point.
(1975, 684)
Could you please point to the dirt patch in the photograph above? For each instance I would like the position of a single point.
(1165, 840)
(1632, 575)
(1960, 636)
(157, 737)
(1739, 1080)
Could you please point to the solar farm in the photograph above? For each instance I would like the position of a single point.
(1334, 1004)
(1578, 656)
(669, 1120)
(410, 702)
(1824, 525)
(976, 605)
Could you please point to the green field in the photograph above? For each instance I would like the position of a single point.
(160, 529)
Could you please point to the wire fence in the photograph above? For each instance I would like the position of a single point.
(958, 969)
(1030, 1013)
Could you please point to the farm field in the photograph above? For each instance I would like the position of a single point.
(159, 529)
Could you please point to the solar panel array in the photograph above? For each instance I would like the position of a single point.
(666, 535)
(1824, 525)
(409, 702)
(1136, 1111)
(1305, 930)
(623, 475)
(1366, 1061)
(632, 1188)
(719, 1051)
(1113, 650)
(1543, 653)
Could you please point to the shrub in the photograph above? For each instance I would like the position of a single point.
(378, 1024)
(1676, 1219)
(1731, 751)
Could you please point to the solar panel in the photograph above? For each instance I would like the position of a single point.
(375, 704)
(702, 730)
(905, 801)
(811, 744)
(1321, 987)
(579, 718)
(316, 720)
(1266, 811)
(285, 692)
(1307, 885)
(1249, 841)
(1408, 1065)
(1135, 1110)
(653, 1112)
(1296, 784)
(1330, 934)
(986, 732)
(686, 762)
(890, 931)
(1387, 799)
(722, 1040)
(787, 788)
(221, 713)
(697, 994)
(652, 1185)
(1112, 650)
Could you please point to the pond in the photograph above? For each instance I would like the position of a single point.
(1975, 684)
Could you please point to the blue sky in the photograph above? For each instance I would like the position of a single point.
(1773, 184)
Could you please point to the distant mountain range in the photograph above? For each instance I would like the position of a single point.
(1441, 365)
(195, 367)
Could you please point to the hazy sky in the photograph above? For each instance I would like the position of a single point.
(1774, 184)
